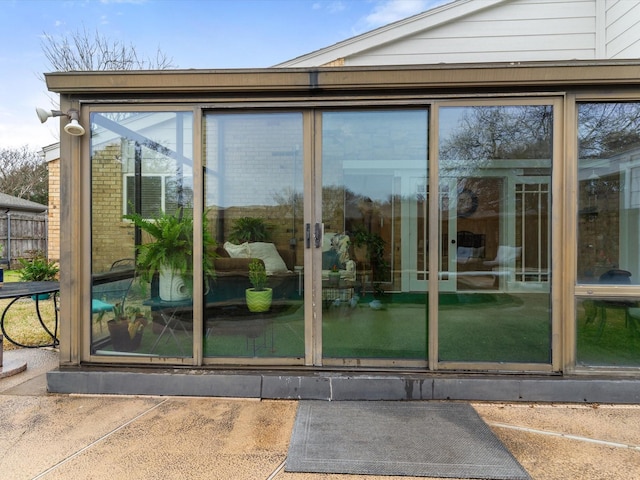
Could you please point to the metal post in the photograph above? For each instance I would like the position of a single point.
(9, 238)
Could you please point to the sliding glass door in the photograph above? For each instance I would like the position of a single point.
(373, 170)
(253, 190)
(496, 160)
(346, 196)
(142, 233)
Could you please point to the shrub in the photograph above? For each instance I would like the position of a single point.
(38, 269)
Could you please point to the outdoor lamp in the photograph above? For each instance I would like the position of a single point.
(72, 128)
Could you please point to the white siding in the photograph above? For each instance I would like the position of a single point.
(495, 31)
(521, 30)
(623, 29)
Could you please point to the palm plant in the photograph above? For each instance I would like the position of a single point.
(173, 245)
(249, 229)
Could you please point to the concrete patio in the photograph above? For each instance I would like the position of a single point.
(53, 436)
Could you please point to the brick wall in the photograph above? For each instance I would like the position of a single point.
(53, 232)
(112, 237)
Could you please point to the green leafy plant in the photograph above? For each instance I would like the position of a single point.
(172, 246)
(38, 269)
(118, 312)
(375, 245)
(137, 320)
(134, 311)
(257, 274)
(249, 229)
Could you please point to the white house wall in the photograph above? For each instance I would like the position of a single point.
(522, 30)
(468, 31)
(622, 27)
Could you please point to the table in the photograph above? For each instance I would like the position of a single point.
(600, 306)
(234, 318)
(338, 293)
(169, 313)
(18, 290)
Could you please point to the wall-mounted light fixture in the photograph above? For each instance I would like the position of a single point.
(72, 128)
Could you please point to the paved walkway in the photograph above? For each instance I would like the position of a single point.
(96, 437)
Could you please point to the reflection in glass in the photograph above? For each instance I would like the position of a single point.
(254, 206)
(141, 164)
(495, 165)
(608, 331)
(371, 307)
(609, 193)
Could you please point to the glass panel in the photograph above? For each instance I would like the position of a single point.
(607, 331)
(373, 192)
(254, 207)
(609, 193)
(145, 309)
(495, 164)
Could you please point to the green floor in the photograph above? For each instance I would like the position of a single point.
(481, 327)
(611, 343)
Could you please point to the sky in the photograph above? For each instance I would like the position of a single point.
(192, 33)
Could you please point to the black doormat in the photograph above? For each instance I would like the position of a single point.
(420, 439)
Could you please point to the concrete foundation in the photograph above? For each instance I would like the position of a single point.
(342, 386)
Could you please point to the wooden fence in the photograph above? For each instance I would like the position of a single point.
(21, 235)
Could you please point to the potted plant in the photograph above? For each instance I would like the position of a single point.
(334, 276)
(258, 297)
(170, 255)
(126, 328)
(137, 319)
(38, 269)
(249, 229)
(375, 246)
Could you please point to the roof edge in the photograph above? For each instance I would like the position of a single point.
(305, 80)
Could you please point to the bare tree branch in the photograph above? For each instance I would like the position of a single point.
(24, 174)
(83, 51)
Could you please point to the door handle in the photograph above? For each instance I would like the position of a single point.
(307, 235)
(318, 235)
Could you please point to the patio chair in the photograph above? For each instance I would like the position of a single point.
(615, 277)
(504, 263)
(109, 290)
(505, 256)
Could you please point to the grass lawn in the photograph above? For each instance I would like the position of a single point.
(21, 321)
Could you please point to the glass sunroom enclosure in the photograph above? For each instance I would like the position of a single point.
(488, 223)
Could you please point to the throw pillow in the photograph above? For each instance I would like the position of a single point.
(327, 243)
(268, 253)
(237, 251)
(340, 243)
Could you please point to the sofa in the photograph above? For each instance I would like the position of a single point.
(232, 271)
(228, 287)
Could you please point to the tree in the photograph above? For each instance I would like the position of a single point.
(83, 51)
(24, 174)
(607, 129)
(497, 133)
